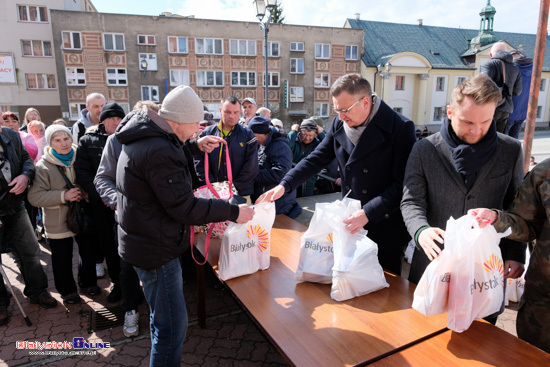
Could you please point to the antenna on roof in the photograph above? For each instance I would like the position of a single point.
(357, 16)
(420, 22)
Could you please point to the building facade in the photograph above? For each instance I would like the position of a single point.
(130, 58)
(28, 74)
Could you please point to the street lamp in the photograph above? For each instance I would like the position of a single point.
(261, 7)
(144, 65)
(385, 75)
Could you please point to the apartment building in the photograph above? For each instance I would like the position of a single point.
(129, 58)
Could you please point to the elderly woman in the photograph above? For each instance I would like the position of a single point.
(50, 192)
(12, 121)
(31, 114)
(37, 130)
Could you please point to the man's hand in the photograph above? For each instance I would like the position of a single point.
(209, 143)
(356, 221)
(19, 184)
(427, 239)
(513, 269)
(246, 213)
(319, 129)
(295, 127)
(484, 216)
(272, 194)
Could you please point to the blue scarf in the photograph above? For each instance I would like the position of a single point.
(66, 159)
(470, 158)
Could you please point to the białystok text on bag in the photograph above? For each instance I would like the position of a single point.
(476, 286)
(316, 250)
(246, 247)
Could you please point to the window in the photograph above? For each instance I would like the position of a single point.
(242, 47)
(177, 45)
(296, 66)
(539, 112)
(28, 13)
(208, 46)
(322, 51)
(243, 78)
(40, 81)
(113, 42)
(440, 84)
(36, 48)
(209, 78)
(76, 110)
(150, 93)
(179, 77)
(151, 61)
(144, 39)
(460, 79)
(322, 109)
(273, 79)
(542, 85)
(296, 94)
(398, 109)
(71, 40)
(75, 76)
(351, 53)
(322, 80)
(399, 82)
(117, 77)
(273, 49)
(439, 113)
(297, 46)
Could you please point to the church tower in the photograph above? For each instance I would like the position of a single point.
(486, 35)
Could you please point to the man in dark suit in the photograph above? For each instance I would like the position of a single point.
(466, 165)
(371, 143)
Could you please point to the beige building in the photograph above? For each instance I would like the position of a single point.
(28, 76)
(104, 53)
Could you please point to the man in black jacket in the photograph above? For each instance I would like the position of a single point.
(507, 77)
(156, 208)
(17, 169)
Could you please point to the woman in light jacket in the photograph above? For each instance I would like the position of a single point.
(50, 191)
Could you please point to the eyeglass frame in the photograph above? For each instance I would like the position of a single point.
(346, 111)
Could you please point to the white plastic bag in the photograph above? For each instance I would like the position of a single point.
(356, 269)
(316, 250)
(245, 248)
(432, 292)
(476, 287)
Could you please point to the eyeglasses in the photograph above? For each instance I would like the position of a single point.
(346, 111)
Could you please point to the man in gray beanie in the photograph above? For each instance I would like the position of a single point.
(156, 209)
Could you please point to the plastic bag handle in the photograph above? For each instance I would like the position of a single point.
(206, 245)
(229, 174)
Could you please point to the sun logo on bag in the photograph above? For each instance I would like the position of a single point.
(494, 264)
(260, 233)
(329, 238)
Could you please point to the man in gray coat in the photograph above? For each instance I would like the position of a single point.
(464, 166)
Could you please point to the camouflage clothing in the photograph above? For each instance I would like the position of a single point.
(529, 217)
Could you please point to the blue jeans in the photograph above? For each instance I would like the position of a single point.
(19, 229)
(513, 128)
(163, 288)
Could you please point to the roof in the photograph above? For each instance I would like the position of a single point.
(443, 47)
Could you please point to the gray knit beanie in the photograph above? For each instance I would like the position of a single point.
(182, 105)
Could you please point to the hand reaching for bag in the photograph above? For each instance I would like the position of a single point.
(209, 143)
(427, 239)
(74, 194)
(271, 195)
(246, 213)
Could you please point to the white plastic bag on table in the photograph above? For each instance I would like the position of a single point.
(432, 292)
(245, 248)
(356, 269)
(316, 250)
(476, 287)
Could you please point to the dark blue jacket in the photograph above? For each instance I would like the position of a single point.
(275, 161)
(243, 153)
(521, 102)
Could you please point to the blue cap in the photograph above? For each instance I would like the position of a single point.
(260, 125)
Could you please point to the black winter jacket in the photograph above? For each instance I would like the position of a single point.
(493, 69)
(21, 163)
(88, 157)
(155, 198)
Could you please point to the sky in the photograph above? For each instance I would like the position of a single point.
(518, 16)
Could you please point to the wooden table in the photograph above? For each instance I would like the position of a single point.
(307, 326)
(482, 344)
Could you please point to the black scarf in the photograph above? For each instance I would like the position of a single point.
(469, 158)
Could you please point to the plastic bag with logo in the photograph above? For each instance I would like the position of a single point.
(432, 292)
(356, 269)
(476, 287)
(245, 248)
(316, 250)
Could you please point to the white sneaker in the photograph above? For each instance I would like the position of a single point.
(99, 270)
(131, 323)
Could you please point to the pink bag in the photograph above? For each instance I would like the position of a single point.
(217, 190)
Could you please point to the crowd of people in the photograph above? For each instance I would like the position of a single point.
(135, 174)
